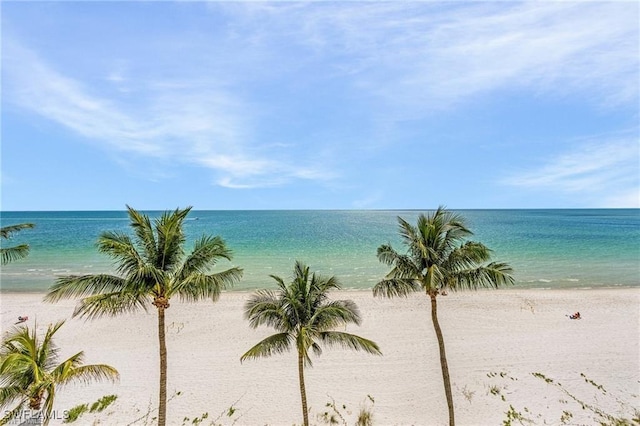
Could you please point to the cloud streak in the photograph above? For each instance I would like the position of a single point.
(602, 172)
(427, 56)
(191, 123)
(266, 94)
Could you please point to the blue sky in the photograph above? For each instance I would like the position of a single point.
(323, 105)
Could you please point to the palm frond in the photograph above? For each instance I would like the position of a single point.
(198, 286)
(8, 231)
(121, 248)
(407, 268)
(206, 253)
(47, 408)
(170, 239)
(84, 285)
(258, 299)
(434, 278)
(111, 304)
(493, 275)
(47, 351)
(404, 267)
(335, 314)
(321, 285)
(468, 255)
(387, 255)
(407, 232)
(300, 272)
(350, 341)
(11, 394)
(70, 372)
(305, 341)
(144, 232)
(317, 350)
(454, 226)
(146, 278)
(274, 344)
(280, 283)
(395, 287)
(11, 254)
(441, 232)
(264, 308)
(18, 358)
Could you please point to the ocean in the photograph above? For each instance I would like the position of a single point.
(582, 248)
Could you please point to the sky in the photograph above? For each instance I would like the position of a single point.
(319, 105)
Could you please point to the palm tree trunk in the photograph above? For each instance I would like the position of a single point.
(443, 358)
(162, 404)
(303, 391)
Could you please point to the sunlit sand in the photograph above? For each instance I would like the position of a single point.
(501, 345)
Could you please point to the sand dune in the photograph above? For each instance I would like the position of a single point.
(495, 341)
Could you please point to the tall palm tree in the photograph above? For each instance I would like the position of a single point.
(304, 316)
(9, 254)
(30, 372)
(153, 268)
(438, 258)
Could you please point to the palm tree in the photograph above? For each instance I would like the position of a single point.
(9, 254)
(30, 372)
(153, 268)
(438, 258)
(303, 315)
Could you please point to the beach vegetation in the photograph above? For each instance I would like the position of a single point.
(101, 404)
(146, 418)
(30, 372)
(495, 390)
(336, 414)
(230, 415)
(438, 258)
(513, 416)
(227, 415)
(468, 394)
(602, 417)
(195, 420)
(304, 317)
(74, 413)
(10, 254)
(152, 268)
(98, 406)
(566, 417)
(577, 407)
(365, 417)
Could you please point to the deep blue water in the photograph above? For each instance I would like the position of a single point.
(547, 248)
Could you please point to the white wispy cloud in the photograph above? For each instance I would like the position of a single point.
(395, 60)
(425, 56)
(42, 90)
(602, 171)
(550, 47)
(190, 122)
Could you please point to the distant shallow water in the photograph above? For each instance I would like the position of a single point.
(547, 248)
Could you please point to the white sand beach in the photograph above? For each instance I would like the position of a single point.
(495, 341)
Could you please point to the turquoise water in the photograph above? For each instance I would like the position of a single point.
(547, 248)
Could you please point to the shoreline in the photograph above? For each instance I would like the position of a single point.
(496, 340)
(369, 290)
